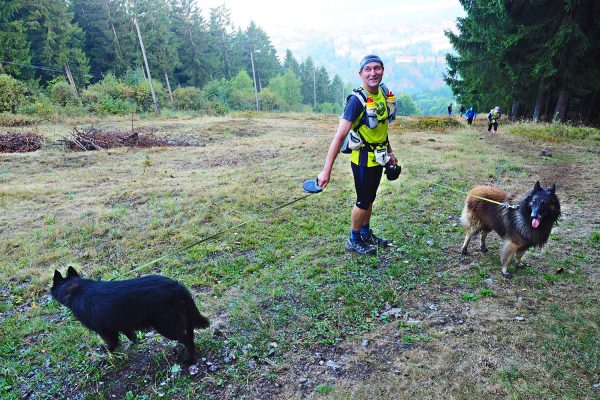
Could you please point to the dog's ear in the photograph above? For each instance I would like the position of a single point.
(71, 273)
(537, 186)
(553, 189)
(57, 277)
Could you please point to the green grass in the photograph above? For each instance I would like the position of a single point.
(277, 286)
(557, 132)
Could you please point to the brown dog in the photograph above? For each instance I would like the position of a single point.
(527, 224)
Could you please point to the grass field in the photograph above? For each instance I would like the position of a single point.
(293, 315)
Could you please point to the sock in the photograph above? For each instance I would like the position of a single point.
(365, 230)
(355, 236)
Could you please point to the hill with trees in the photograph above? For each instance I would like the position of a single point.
(195, 63)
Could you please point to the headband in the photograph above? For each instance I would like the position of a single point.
(369, 59)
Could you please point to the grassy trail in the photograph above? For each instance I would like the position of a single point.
(293, 314)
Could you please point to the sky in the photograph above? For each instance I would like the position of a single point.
(350, 25)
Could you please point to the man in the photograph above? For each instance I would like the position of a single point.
(470, 115)
(367, 169)
(493, 118)
(450, 110)
(461, 111)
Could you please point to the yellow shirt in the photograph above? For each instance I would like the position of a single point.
(378, 134)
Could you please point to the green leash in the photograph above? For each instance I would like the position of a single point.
(505, 205)
(219, 233)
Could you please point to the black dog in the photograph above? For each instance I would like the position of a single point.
(527, 225)
(125, 306)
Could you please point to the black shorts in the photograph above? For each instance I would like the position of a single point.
(366, 182)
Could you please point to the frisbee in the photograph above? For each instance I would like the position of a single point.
(311, 186)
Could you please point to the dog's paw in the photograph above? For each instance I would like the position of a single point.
(522, 265)
(464, 251)
(507, 275)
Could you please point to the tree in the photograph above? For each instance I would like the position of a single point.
(336, 89)
(322, 86)
(287, 88)
(55, 40)
(15, 43)
(535, 64)
(266, 63)
(192, 36)
(290, 62)
(307, 79)
(219, 52)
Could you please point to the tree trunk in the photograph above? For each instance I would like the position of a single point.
(537, 110)
(168, 85)
(514, 112)
(560, 111)
(548, 107)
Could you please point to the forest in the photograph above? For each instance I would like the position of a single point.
(537, 60)
(195, 63)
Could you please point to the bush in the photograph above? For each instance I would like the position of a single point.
(329, 108)
(41, 107)
(112, 96)
(243, 101)
(556, 132)
(218, 91)
(437, 123)
(12, 93)
(13, 120)
(64, 94)
(269, 101)
(188, 98)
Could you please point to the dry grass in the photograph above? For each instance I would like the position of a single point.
(286, 279)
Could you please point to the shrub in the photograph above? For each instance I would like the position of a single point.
(110, 105)
(329, 108)
(269, 101)
(243, 101)
(436, 123)
(13, 120)
(64, 94)
(12, 93)
(556, 132)
(188, 98)
(41, 107)
(218, 90)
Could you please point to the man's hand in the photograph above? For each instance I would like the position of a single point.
(323, 179)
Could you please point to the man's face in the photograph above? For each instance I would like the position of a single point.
(371, 74)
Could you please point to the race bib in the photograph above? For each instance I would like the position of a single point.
(381, 156)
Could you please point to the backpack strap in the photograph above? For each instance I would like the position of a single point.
(362, 96)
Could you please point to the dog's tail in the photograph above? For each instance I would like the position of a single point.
(198, 320)
(464, 217)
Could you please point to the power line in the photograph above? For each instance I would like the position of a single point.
(51, 69)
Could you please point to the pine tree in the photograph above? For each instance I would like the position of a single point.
(15, 43)
(55, 40)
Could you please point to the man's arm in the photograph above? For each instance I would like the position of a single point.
(334, 149)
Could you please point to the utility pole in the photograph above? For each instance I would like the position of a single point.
(254, 79)
(314, 89)
(137, 28)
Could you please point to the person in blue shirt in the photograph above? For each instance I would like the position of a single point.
(470, 115)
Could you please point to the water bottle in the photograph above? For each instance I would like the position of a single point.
(391, 104)
(371, 114)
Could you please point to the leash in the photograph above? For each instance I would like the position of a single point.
(505, 205)
(219, 233)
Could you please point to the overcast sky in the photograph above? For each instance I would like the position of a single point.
(398, 22)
